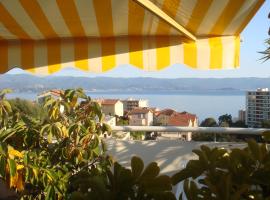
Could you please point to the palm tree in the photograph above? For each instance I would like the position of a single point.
(266, 53)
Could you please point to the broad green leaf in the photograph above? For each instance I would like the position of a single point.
(136, 166)
(151, 171)
(255, 149)
(266, 136)
(12, 167)
(2, 167)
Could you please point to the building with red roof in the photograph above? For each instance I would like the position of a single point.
(140, 117)
(169, 117)
(111, 106)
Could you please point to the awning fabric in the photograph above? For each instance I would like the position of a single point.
(44, 36)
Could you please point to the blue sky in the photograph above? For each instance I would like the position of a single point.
(253, 38)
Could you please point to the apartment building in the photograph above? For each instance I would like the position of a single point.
(140, 117)
(242, 115)
(169, 117)
(257, 107)
(130, 104)
(111, 107)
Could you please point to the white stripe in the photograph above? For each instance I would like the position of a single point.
(172, 30)
(203, 54)
(147, 22)
(88, 18)
(149, 54)
(52, 12)
(41, 58)
(240, 17)
(22, 18)
(154, 26)
(185, 11)
(122, 51)
(211, 17)
(6, 34)
(120, 17)
(156, 20)
(67, 53)
(14, 55)
(94, 53)
(176, 51)
(228, 44)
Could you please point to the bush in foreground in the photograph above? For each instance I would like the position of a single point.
(62, 156)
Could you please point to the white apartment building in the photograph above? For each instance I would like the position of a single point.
(257, 107)
(140, 117)
(130, 104)
(242, 115)
(111, 107)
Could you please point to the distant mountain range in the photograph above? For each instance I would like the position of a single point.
(29, 83)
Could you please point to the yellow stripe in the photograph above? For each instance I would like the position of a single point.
(227, 16)
(104, 21)
(249, 17)
(170, 7)
(136, 51)
(108, 53)
(54, 55)
(36, 14)
(237, 52)
(216, 53)
(27, 55)
(81, 53)
(105, 26)
(190, 54)
(3, 56)
(69, 12)
(135, 16)
(198, 15)
(162, 52)
(11, 24)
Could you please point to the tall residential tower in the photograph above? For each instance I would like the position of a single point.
(257, 107)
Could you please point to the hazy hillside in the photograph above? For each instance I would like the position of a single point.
(22, 83)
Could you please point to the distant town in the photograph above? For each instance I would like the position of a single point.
(137, 112)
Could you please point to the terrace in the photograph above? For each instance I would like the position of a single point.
(44, 37)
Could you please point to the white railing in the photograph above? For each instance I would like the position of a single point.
(214, 130)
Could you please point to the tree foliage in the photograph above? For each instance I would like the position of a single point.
(266, 52)
(63, 157)
(228, 175)
(225, 120)
(209, 122)
(29, 108)
(39, 157)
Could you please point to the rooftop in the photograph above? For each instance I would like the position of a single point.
(107, 101)
(139, 111)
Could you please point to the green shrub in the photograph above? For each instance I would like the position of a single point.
(63, 157)
(227, 174)
(38, 157)
(122, 183)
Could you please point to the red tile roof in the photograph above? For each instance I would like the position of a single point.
(167, 112)
(107, 101)
(56, 92)
(182, 119)
(139, 111)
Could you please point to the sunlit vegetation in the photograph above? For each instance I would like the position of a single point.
(62, 156)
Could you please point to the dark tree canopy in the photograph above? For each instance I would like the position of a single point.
(209, 122)
(225, 120)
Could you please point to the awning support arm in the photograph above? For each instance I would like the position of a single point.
(162, 15)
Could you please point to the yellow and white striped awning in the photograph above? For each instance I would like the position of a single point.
(44, 36)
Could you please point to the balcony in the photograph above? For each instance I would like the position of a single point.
(171, 155)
